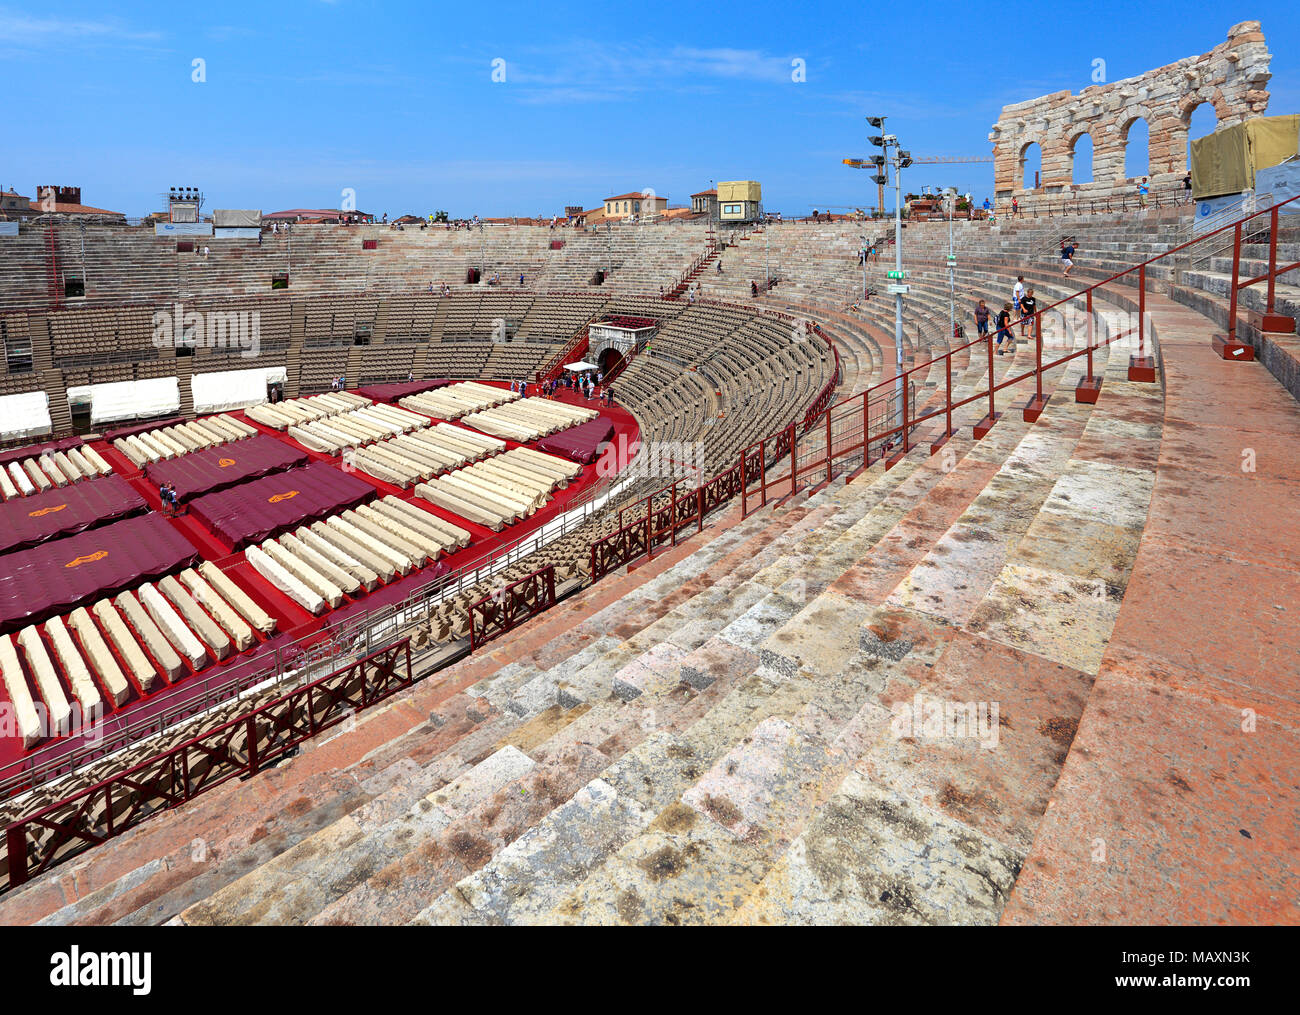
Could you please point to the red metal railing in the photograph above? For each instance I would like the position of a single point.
(1270, 276)
(573, 350)
(755, 461)
(233, 750)
(510, 606)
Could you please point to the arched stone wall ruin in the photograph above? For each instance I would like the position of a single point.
(1233, 77)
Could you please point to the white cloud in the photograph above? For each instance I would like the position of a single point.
(25, 30)
(588, 71)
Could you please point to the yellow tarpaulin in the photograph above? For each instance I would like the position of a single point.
(1225, 162)
(740, 190)
(1271, 139)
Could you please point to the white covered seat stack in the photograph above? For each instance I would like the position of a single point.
(317, 565)
(501, 490)
(424, 454)
(173, 441)
(529, 419)
(356, 428)
(457, 400)
(296, 411)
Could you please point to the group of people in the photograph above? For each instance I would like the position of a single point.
(1022, 306)
(339, 383)
(586, 384)
(170, 504)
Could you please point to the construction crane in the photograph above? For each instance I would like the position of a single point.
(878, 164)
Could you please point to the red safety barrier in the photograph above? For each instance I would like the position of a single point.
(510, 606)
(233, 750)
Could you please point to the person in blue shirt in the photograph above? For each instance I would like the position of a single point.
(1143, 190)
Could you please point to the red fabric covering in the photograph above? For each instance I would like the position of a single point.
(131, 429)
(392, 392)
(580, 443)
(36, 450)
(224, 466)
(27, 521)
(264, 508)
(57, 577)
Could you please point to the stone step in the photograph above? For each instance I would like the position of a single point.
(180, 856)
(490, 894)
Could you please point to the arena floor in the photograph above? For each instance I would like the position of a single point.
(292, 621)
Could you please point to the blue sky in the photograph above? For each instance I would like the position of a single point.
(304, 98)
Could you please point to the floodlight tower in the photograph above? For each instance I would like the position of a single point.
(900, 160)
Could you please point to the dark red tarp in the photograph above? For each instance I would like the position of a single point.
(225, 466)
(580, 443)
(264, 508)
(36, 450)
(57, 577)
(392, 392)
(63, 510)
(131, 429)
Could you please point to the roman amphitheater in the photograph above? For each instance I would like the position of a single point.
(933, 634)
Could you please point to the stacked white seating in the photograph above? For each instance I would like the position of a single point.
(75, 669)
(11, 671)
(236, 597)
(101, 659)
(169, 622)
(57, 709)
(126, 644)
(310, 600)
(153, 639)
(529, 418)
(457, 400)
(207, 629)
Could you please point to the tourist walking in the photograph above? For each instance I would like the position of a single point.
(1143, 190)
(1067, 257)
(1028, 307)
(1004, 328)
(981, 319)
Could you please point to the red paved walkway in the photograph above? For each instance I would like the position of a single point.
(1180, 799)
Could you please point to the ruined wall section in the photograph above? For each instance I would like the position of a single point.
(1233, 77)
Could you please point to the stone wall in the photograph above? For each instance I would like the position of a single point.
(1232, 77)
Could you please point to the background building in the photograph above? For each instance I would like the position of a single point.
(740, 201)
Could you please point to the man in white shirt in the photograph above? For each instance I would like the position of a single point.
(1018, 292)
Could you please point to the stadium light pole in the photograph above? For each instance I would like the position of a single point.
(899, 385)
(950, 200)
(901, 160)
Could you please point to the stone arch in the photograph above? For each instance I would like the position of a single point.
(1080, 174)
(1029, 163)
(1191, 102)
(1233, 77)
(1192, 124)
(1141, 165)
